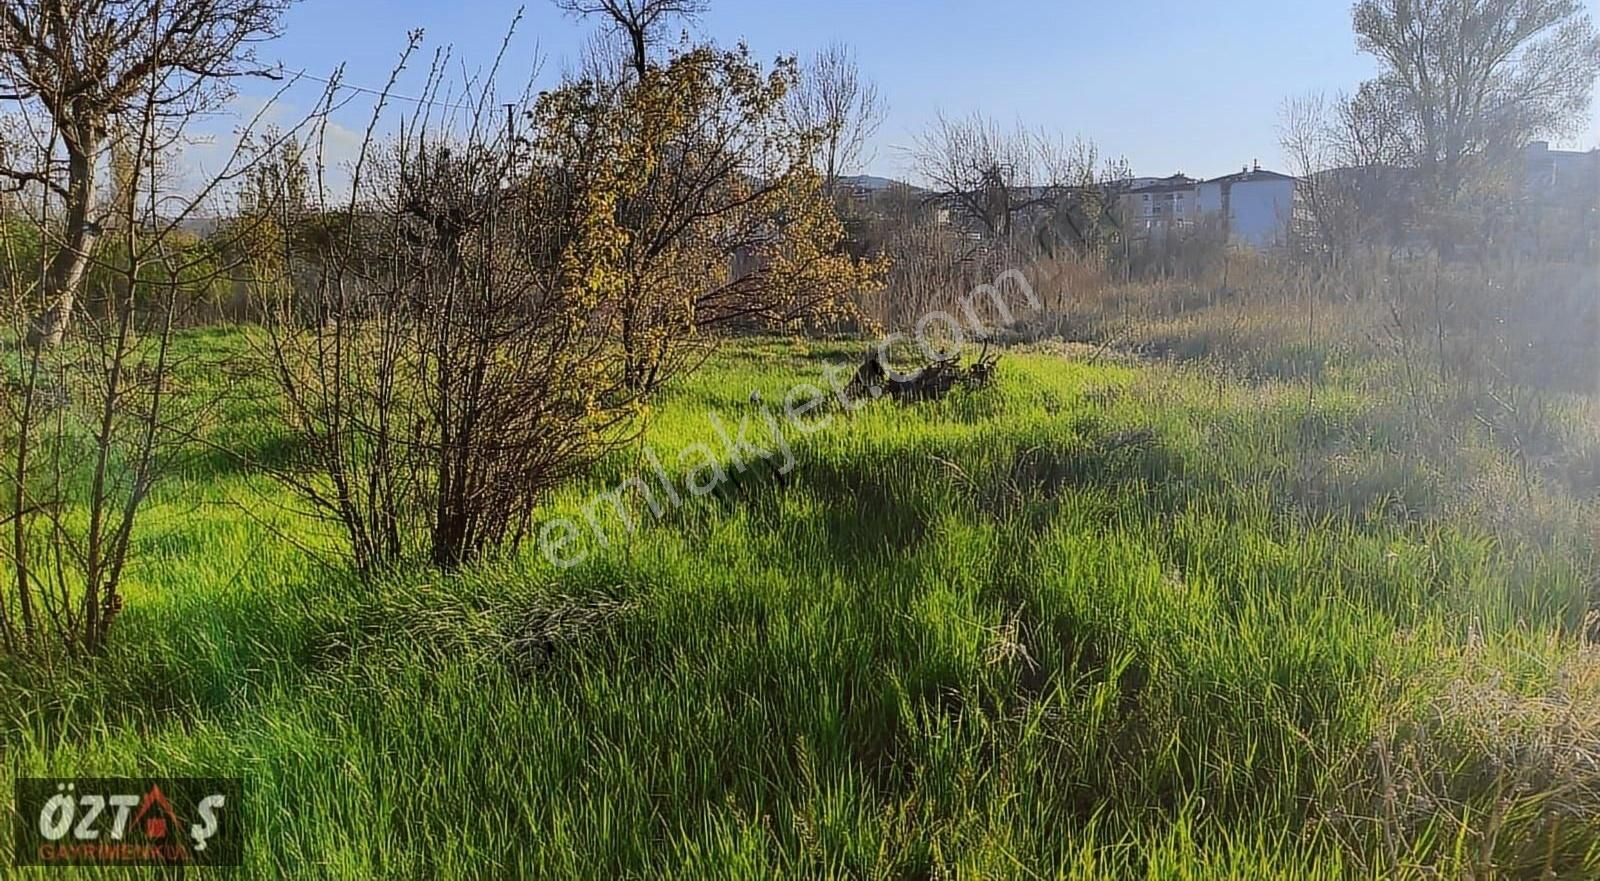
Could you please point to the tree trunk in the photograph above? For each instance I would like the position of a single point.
(641, 62)
(64, 276)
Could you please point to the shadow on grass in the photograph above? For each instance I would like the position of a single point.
(885, 504)
(868, 508)
(265, 453)
(227, 651)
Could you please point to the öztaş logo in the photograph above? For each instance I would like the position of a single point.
(122, 821)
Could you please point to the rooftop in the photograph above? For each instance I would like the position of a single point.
(1256, 173)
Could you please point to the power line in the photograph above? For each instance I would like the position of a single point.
(340, 84)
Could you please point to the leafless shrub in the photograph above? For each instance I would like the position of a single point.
(450, 370)
(500, 295)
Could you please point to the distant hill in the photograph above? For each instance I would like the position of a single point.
(870, 182)
(200, 225)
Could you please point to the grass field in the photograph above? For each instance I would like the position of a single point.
(1104, 620)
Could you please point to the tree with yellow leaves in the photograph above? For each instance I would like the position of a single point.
(723, 220)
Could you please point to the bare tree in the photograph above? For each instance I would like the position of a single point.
(982, 171)
(1084, 213)
(90, 428)
(640, 21)
(90, 64)
(606, 57)
(1343, 181)
(833, 98)
(1431, 146)
(1015, 181)
(1466, 83)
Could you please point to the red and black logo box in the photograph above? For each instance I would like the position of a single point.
(127, 821)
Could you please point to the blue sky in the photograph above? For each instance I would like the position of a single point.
(1173, 86)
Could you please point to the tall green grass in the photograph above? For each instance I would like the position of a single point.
(1100, 621)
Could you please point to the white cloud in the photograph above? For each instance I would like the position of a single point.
(210, 147)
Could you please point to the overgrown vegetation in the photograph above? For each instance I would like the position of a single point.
(1099, 621)
(1216, 563)
(497, 308)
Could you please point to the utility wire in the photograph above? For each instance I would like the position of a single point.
(281, 72)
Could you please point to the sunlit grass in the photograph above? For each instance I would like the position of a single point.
(1100, 621)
